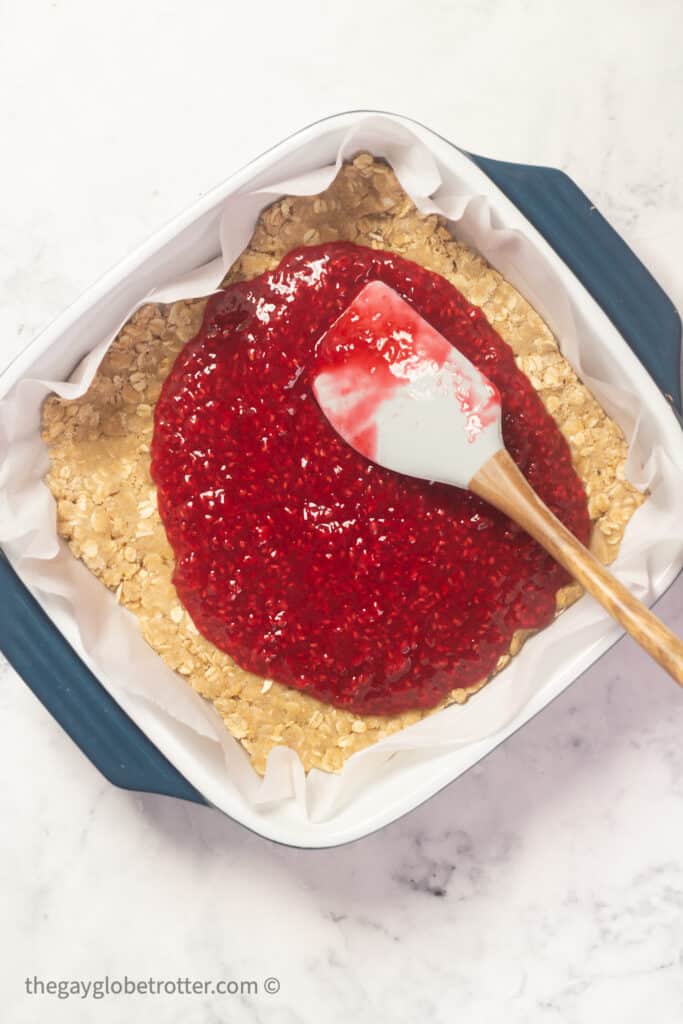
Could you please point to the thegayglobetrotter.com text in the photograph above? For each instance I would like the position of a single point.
(102, 988)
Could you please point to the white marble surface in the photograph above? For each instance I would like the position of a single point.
(546, 885)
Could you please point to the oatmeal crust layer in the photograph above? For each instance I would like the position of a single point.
(106, 503)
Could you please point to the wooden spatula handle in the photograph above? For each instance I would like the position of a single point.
(501, 483)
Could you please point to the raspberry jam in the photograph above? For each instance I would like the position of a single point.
(308, 564)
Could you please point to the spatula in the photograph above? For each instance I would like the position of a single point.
(400, 394)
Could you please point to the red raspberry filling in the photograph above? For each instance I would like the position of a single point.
(308, 564)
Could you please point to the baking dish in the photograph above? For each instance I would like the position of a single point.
(587, 245)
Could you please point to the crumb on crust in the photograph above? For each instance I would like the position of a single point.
(99, 448)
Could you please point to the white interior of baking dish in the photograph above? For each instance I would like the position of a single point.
(384, 782)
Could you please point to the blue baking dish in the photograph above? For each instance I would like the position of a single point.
(603, 263)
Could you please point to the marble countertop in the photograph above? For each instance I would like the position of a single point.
(544, 886)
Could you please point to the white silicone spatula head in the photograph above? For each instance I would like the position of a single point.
(399, 393)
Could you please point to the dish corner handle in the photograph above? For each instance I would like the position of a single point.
(64, 684)
(621, 285)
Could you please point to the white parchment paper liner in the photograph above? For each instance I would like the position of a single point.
(107, 636)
